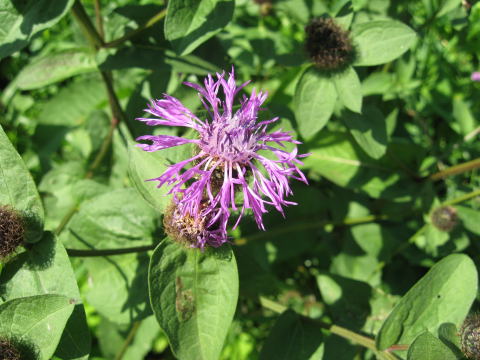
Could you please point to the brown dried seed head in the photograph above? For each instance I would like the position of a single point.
(470, 337)
(12, 231)
(444, 218)
(328, 45)
(8, 351)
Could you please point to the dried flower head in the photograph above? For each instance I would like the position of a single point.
(444, 218)
(8, 351)
(228, 159)
(11, 231)
(328, 45)
(470, 337)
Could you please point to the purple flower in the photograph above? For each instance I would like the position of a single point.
(227, 160)
(475, 76)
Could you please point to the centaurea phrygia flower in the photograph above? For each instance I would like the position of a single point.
(228, 158)
(475, 76)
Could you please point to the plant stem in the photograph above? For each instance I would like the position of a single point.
(65, 220)
(462, 198)
(86, 25)
(456, 169)
(99, 19)
(156, 18)
(108, 252)
(128, 340)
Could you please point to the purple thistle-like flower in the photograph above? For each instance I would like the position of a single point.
(475, 76)
(228, 159)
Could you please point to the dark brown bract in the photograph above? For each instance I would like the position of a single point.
(328, 45)
(11, 231)
(470, 337)
(8, 351)
(444, 218)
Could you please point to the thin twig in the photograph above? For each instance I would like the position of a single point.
(128, 340)
(108, 252)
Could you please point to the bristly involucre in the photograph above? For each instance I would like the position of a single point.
(227, 159)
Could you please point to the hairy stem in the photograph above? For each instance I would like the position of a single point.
(456, 169)
(86, 25)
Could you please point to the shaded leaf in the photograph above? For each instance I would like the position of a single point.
(349, 89)
(428, 347)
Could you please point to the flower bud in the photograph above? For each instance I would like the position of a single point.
(470, 337)
(8, 351)
(444, 218)
(184, 229)
(328, 45)
(12, 231)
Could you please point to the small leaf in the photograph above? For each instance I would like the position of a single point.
(37, 321)
(428, 347)
(20, 20)
(349, 89)
(55, 67)
(194, 296)
(189, 23)
(369, 131)
(314, 101)
(18, 189)
(444, 294)
(381, 41)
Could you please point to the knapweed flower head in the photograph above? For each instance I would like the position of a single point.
(12, 231)
(470, 337)
(475, 76)
(227, 160)
(329, 46)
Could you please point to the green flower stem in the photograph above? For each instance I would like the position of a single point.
(65, 220)
(86, 25)
(128, 340)
(156, 18)
(334, 329)
(456, 169)
(462, 198)
(99, 19)
(108, 252)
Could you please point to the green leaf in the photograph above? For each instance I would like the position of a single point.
(117, 287)
(428, 347)
(349, 89)
(36, 322)
(369, 131)
(314, 101)
(54, 68)
(194, 296)
(189, 23)
(144, 165)
(469, 219)
(381, 41)
(117, 219)
(18, 190)
(464, 121)
(45, 269)
(80, 97)
(19, 21)
(444, 294)
(294, 337)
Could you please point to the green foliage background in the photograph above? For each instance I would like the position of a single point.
(357, 270)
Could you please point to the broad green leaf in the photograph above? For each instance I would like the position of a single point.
(294, 337)
(464, 121)
(194, 296)
(314, 101)
(189, 23)
(349, 89)
(20, 20)
(36, 321)
(369, 131)
(117, 287)
(144, 165)
(55, 67)
(18, 190)
(73, 103)
(428, 347)
(443, 295)
(336, 157)
(117, 219)
(45, 269)
(381, 41)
